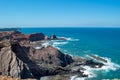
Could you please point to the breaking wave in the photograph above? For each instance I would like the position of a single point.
(91, 71)
(69, 39)
(57, 43)
(109, 65)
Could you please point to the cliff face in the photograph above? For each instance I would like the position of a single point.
(26, 62)
(11, 65)
(16, 35)
(50, 55)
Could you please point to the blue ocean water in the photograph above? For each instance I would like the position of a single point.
(103, 42)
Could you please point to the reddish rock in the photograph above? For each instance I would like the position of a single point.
(18, 60)
(5, 35)
(16, 35)
(51, 55)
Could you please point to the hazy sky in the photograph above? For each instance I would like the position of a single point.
(56, 13)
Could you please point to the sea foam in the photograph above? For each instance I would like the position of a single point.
(109, 65)
(91, 71)
(69, 39)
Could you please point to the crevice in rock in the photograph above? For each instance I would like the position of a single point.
(9, 67)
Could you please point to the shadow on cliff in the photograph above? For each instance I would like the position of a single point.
(30, 68)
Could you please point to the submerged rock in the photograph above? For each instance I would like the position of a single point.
(93, 64)
(98, 58)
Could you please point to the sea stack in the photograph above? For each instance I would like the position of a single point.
(53, 36)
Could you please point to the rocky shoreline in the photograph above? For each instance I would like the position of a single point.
(20, 57)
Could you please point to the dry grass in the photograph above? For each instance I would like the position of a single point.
(8, 78)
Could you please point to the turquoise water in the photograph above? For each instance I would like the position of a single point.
(103, 42)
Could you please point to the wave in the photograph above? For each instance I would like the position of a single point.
(45, 44)
(59, 43)
(76, 78)
(109, 65)
(91, 71)
(54, 43)
(69, 39)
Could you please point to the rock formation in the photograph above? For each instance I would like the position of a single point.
(19, 58)
(26, 62)
(53, 36)
(36, 37)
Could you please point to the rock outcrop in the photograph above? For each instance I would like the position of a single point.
(11, 65)
(5, 35)
(50, 55)
(26, 62)
(36, 37)
(20, 59)
(98, 58)
(53, 36)
(16, 35)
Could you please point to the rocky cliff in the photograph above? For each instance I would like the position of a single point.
(20, 59)
(26, 62)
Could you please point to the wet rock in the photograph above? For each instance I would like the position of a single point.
(46, 38)
(53, 36)
(93, 64)
(98, 58)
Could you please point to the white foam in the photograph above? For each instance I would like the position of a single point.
(90, 75)
(46, 44)
(54, 43)
(91, 71)
(59, 43)
(38, 47)
(88, 72)
(70, 39)
(109, 65)
(76, 78)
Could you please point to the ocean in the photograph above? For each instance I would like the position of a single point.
(104, 42)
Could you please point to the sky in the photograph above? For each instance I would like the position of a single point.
(59, 13)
